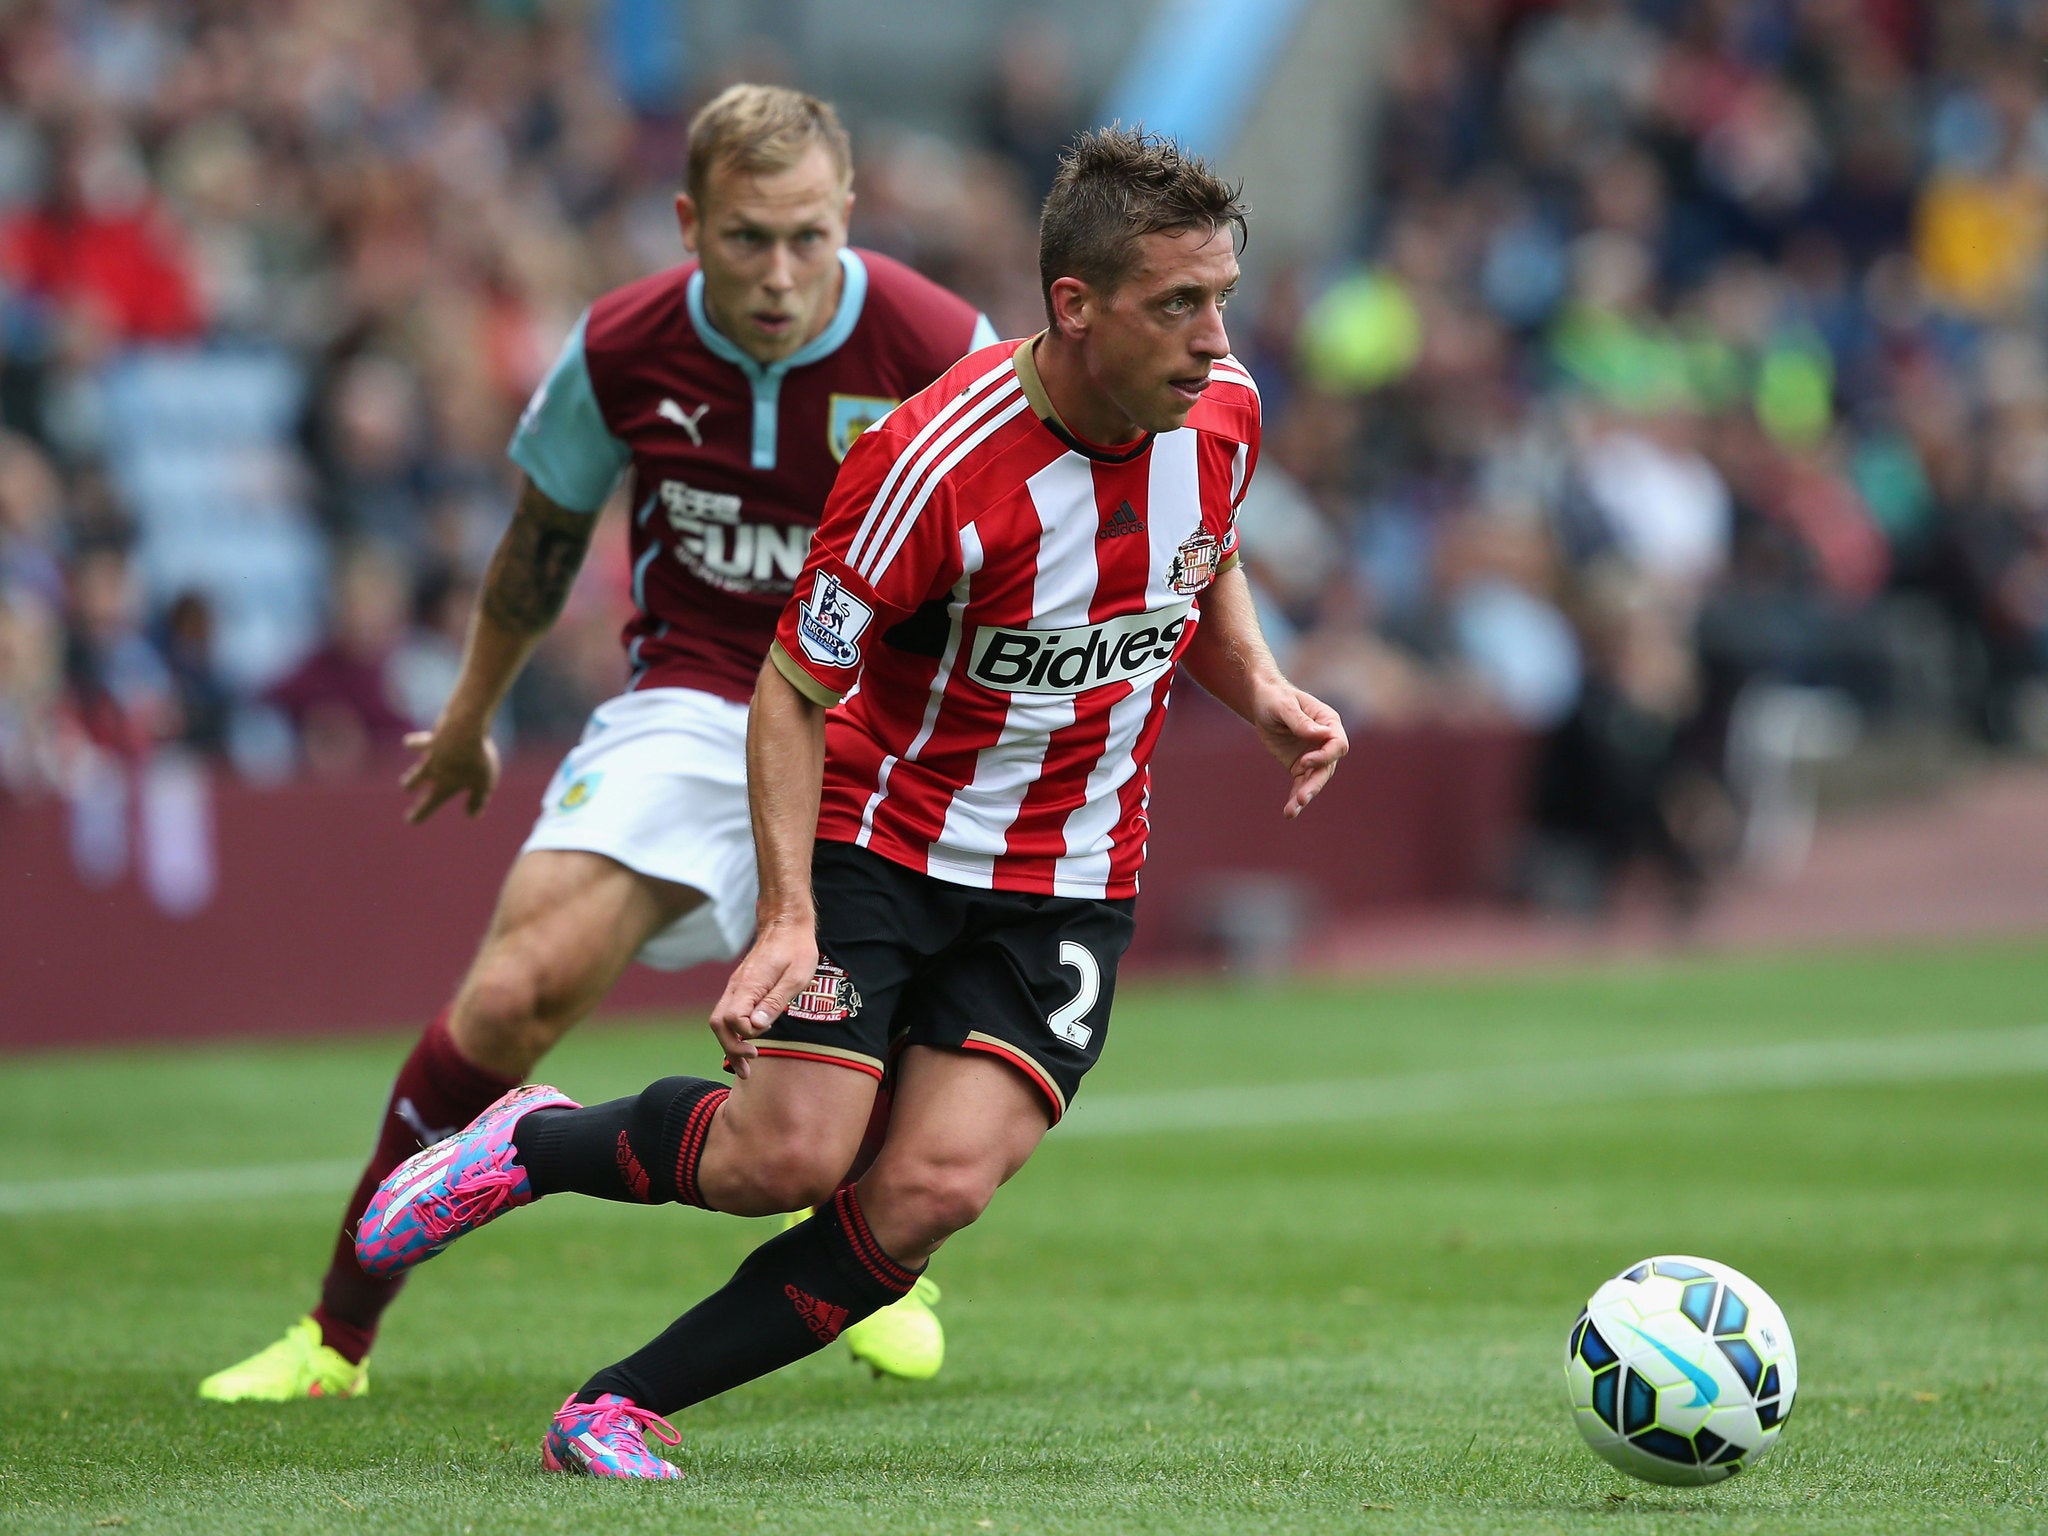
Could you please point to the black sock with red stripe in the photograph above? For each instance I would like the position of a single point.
(644, 1149)
(791, 1297)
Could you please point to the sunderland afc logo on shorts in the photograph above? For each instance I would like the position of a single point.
(828, 999)
(829, 625)
(1194, 563)
(851, 415)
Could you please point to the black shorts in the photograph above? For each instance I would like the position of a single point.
(910, 960)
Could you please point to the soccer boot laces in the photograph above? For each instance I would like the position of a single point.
(608, 1438)
(451, 1188)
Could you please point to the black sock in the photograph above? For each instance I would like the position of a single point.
(643, 1148)
(791, 1297)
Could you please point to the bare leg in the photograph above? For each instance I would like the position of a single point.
(963, 1123)
(567, 924)
(566, 927)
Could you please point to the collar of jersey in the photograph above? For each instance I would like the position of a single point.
(767, 377)
(1041, 405)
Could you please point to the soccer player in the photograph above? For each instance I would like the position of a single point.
(730, 388)
(1010, 568)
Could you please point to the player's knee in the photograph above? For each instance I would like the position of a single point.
(927, 1202)
(503, 994)
(505, 1003)
(766, 1174)
(789, 1178)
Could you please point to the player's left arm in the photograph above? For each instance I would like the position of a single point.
(1229, 657)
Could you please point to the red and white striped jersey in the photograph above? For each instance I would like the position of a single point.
(999, 606)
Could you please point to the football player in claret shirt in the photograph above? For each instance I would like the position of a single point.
(729, 390)
(1011, 567)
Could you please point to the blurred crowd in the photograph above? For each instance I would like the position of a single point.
(384, 214)
(1686, 405)
(1681, 400)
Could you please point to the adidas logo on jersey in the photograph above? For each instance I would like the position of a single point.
(1057, 661)
(1123, 520)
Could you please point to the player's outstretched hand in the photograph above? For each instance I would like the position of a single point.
(1308, 738)
(781, 963)
(451, 763)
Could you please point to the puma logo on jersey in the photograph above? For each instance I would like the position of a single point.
(1054, 661)
(668, 410)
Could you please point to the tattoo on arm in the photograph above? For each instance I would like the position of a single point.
(536, 564)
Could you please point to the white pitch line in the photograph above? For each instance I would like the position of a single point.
(1949, 1056)
(186, 1186)
(1552, 1084)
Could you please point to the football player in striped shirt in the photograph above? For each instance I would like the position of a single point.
(1012, 566)
(729, 388)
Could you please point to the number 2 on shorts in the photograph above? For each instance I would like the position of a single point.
(1066, 1021)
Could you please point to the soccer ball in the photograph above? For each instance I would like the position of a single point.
(1681, 1371)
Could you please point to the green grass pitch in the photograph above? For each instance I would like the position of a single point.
(1303, 1260)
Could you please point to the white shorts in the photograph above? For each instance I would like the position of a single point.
(659, 783)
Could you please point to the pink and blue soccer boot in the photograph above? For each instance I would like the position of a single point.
(607, 1438)
(451, 1188)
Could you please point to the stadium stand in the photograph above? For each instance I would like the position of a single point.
(1677, 398)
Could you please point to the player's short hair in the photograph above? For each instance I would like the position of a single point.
(1116, 184)
(762, 129)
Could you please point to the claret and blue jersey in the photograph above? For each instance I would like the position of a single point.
(730, 461)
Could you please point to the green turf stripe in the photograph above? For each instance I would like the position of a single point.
(1520, 1085)
(1549, 1084)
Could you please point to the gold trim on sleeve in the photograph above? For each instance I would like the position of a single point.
(801, 680)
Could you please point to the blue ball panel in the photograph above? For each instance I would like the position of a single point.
(1744, 1359)
(1604, 1392)
(1698, 1303)
(1638, 1404)
(1667, 1446)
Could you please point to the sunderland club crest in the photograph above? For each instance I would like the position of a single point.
(1194, 563)
(828, 998)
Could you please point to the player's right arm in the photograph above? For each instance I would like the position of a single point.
(882, 548)
(523, 592)
(571, 462)
(785, 767)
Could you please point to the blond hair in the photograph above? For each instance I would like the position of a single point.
(762, 129)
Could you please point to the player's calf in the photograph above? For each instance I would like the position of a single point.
(789, 1298)
(644, 1149)
(658, 1147)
